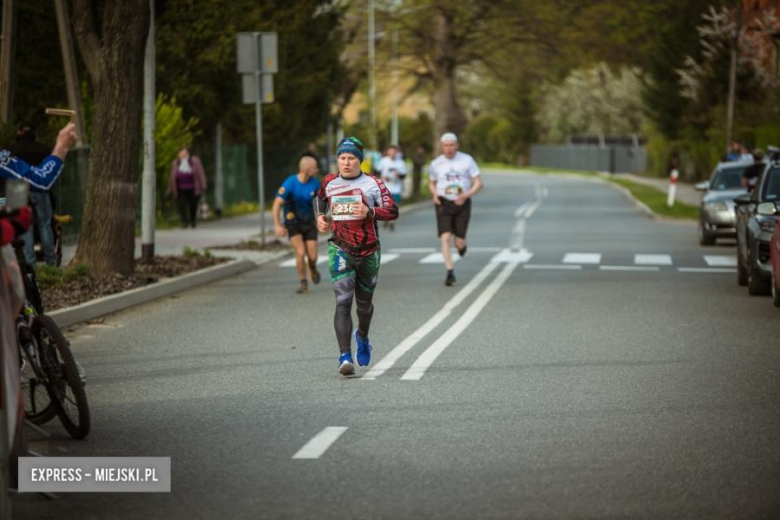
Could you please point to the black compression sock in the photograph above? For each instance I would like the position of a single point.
(462, 252)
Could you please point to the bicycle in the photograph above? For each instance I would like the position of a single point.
(52, 381)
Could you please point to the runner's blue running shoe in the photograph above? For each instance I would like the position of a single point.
(346, 365)
(363, 350)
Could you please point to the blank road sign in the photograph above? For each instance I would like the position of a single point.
(248, 89)
(246, 53)
(268, 53)
(268, 88)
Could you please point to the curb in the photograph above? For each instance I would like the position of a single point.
(124, 300)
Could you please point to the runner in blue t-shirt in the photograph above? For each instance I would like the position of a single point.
(296, 195)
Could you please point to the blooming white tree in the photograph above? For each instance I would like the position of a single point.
(715, 36)
(594, 101)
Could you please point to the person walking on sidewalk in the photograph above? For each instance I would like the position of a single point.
(187, 183)
(357, 202)
(297, 194)
(392, 170)
(454, 179)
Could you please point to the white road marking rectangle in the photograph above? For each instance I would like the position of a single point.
(320, 443)
(706, 270)
(507, 255)
(482, 249)
(582, 258)
(291, 261)
(399, 350)
(426, 359)
(402, 250)
(721, 260)
(553, 267)
(437, 258)
(388, 257)
(642, 259)
(628, 268)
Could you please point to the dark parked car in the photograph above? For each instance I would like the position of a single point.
(717, 217)
(774, 250)
(756, 222)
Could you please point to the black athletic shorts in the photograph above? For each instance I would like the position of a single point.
(454, 219)
(307, 228)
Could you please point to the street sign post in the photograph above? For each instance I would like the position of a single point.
(257, 62)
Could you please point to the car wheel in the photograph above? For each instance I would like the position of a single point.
(775, 292)
(742, 274)
(705, 239)
(757, 285)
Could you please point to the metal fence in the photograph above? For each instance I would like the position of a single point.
(614, 158)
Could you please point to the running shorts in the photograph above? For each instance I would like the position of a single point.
(451, 218)
(307, 228)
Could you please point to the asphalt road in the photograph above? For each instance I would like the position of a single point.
(563, 377)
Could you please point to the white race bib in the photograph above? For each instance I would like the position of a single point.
(343, 205)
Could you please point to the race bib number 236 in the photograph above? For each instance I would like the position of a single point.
(343, 205)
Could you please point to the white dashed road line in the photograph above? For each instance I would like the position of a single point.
(319, 444)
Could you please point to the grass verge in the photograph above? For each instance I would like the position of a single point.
(652, 197)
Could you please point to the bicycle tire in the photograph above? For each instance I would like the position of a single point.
(72, 409)
(35, 395)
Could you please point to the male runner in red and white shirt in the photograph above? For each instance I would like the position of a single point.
(357, 202)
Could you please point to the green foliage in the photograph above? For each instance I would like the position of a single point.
(768, 134)
(49, 276)
(593, 101)
(656, 201)
(240, 208)
(490, 138)
(196, 46)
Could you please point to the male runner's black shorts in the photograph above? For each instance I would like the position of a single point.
(307, 228)
(451, 218)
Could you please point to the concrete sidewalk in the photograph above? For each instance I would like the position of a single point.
(685, 192)
(215, 233)
(222, 232)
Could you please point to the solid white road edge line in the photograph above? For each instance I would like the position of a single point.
(426, 359)
(391, 357)
(320, 443)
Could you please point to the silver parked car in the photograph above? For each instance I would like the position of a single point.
(717, 218)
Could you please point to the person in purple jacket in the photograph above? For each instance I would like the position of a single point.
(187, 183)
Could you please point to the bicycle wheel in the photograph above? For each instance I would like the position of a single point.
(64, 377)
(38, 406)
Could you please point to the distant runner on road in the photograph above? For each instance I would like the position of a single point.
(454, 179)
(297, 194)
(357, 202)
(392, 170)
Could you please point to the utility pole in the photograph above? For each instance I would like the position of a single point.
(219, 188)
(149, 191)
(371, 62)
(394, 126)
(733, 77)
(71, 72)
(6, 61)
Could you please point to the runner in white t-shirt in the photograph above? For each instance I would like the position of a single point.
(454, 179)
(392, 170)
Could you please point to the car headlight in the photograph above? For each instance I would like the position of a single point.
(717, 206)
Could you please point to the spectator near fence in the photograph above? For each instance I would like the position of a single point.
(187, 183)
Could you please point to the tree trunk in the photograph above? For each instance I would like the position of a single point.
(114, 55)
(449, 114)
